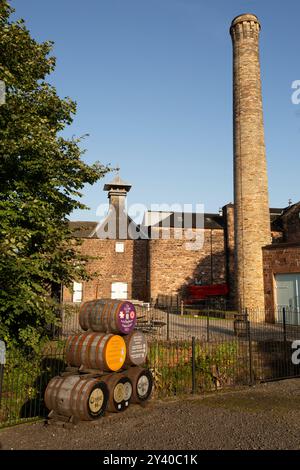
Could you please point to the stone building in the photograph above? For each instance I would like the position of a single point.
(281, 262)
(120, 261)
(251, 248)
(153, 264)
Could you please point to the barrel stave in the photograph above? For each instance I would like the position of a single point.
(117, 385)
(136, 374)
(69, 396)
(108, 315)
(105, 352)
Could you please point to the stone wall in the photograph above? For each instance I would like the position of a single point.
(172, 266)
(165, 266)
(291, 224)
(228, 213)
(129, 267)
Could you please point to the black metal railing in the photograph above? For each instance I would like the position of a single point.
(188, 353)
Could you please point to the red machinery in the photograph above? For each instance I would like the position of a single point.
(196, 293)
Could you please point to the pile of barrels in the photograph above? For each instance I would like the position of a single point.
(105, 364)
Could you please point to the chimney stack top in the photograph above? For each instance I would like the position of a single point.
(244, 17)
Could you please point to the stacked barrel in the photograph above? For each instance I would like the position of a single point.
(105, 362)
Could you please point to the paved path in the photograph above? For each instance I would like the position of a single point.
(214, 329)
(184, 327)
(263, 417)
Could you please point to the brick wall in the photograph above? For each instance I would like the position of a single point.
(164, 266)
(129, 267)
(282, 258)
(172, 266)
(291, 225)
(228, 213)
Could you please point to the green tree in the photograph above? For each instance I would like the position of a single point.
(41, 175)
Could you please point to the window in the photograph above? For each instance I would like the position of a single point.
(119, 290)
(77, 292)
(119, 247)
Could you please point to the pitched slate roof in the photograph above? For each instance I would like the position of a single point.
(87, 229)
(82, 229)
(180, 219)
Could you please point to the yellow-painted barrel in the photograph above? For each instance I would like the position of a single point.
(105, 352)
(75, 395)
(107, 315)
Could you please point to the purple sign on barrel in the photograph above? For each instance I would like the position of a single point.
(126, 318)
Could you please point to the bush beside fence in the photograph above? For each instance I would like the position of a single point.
(24, 382)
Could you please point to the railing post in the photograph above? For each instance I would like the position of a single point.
(193, 365)
(284, 325)
(285, 349)
(248, 326)
(207, 327)
(2, 363)
(168, 324)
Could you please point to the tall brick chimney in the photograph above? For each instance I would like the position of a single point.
(251, 202)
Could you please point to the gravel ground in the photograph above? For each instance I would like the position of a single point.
(266, 416)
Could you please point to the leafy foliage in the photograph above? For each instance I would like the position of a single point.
(41, 175)
(216, 365)
(26, 377)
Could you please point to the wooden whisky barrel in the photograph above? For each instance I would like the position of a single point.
(142, 383)
(127, 391)
(119, 391)
(136, 349)
(100, 351)
(76, 395)
(107, 315)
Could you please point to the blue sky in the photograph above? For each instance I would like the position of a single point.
(153, 84)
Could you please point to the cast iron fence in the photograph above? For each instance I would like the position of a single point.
(188, 353)
(205, 323)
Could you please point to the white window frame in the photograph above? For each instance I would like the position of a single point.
(119, 247)
(116, 288)
(77, 292)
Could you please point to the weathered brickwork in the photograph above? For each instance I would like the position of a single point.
(165, 266)
(228, 214)
(152, 267)
(162, 266)
(281, 258)
(252, 220)
(291, 224)
(129, 267)
(172, 266)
